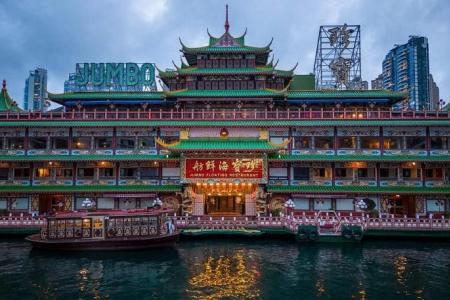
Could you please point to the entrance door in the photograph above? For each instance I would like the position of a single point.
(51, 203)
(403, 205)
(225, 205)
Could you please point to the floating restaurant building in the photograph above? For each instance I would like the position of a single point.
(231, 134)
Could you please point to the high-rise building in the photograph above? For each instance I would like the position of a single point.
(35, 92)
(377, 83)
(364, 85)
(406, 69)
(434, 94)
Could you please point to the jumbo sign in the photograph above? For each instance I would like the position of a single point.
(223, 168)
(126, 74)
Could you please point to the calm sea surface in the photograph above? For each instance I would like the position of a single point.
(230, 269)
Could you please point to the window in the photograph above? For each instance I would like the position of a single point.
(384, 173)
(38, 143)
(435, 205)
(103, 142)
(344, 204)
(301, 173)
(319, 172)
(4, 172)
(323, 142)
(433, 173)
(415, 143)
(302, 142)
(392, 143)
(16, 143)
(149, 173)
(84, 203)
(127, 172)
(59, 143)
(105, 203)
(106, 172)
(347, 142)
(22, 173)
(85, 173)
(368, 142)
(406, 173)
(302, 204)
(126, 143)
(81, 143)
(42, 172)
(322, 204)
(64, 172)
(3, 203)
(19, 203)
(341, 172)
(439, 143)
(363, 173)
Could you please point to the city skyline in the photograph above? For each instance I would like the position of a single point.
(156, 26)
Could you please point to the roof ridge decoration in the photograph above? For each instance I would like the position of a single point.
(6, 103)
(227, 25)
(161, 142)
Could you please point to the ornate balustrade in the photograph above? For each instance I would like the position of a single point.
(21, 221)
(408, 224)
(227, 114)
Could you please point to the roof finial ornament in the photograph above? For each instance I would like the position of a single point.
(4, 85)
(227, 25)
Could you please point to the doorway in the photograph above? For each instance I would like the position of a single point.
(224, 205)
(402, 205)
(50, 203)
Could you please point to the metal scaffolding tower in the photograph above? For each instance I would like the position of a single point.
(338, 57)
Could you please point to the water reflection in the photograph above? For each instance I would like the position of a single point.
(230, 269)
(230, 276)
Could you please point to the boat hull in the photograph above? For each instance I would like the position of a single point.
(103, 245)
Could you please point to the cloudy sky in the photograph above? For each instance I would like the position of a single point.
(55, 34)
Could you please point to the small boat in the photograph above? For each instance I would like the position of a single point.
(107, 230)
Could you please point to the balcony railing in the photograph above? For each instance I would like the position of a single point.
(229, 114)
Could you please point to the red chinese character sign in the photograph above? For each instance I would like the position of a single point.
(224, 168)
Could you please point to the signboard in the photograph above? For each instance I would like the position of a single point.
(224, 168)
(114, 76)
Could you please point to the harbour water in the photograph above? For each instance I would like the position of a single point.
(230, 269)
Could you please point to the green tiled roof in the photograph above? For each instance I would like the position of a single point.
(218, 145)
(237, 123)
(302, 83)
(231, 49)
(87, 157)
(224, 71)
(321, 94)
(90, 188)
(359, 157)
(225, 93)
(358, 189)
(106, 95)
